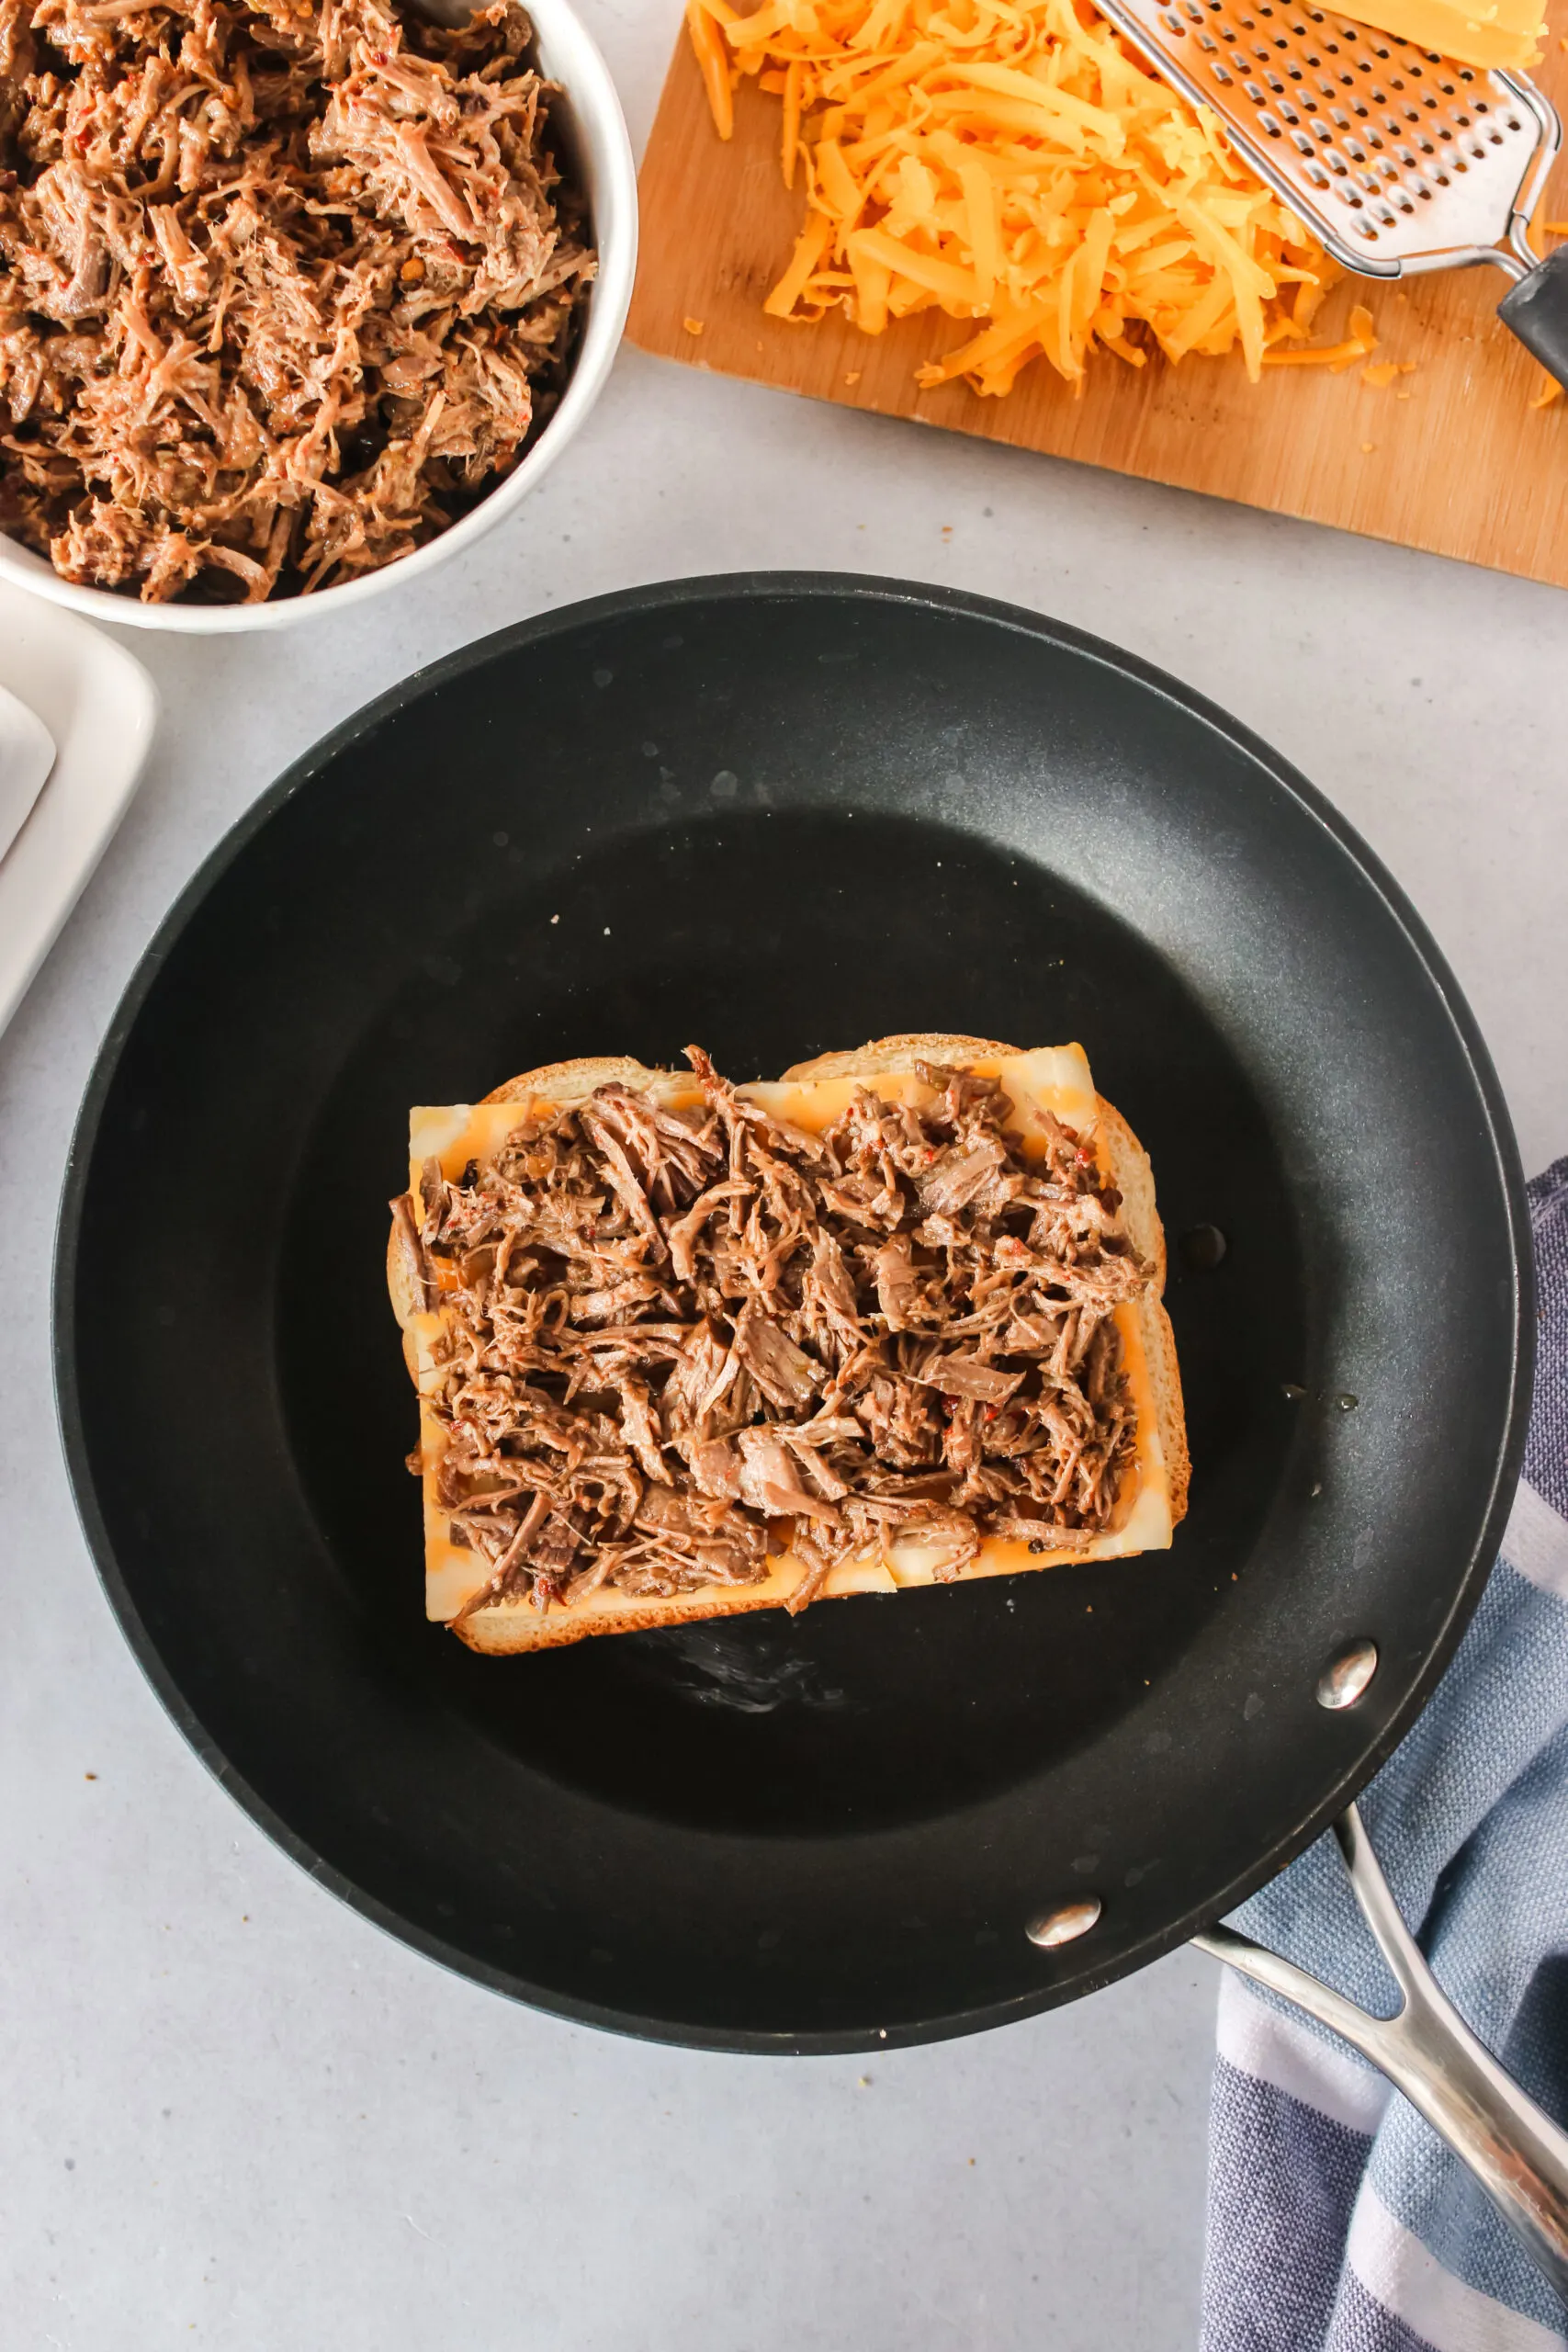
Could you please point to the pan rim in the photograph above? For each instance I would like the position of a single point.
(672, 595)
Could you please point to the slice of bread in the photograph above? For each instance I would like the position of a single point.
(1054, 1079)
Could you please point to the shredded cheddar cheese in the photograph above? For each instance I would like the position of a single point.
(1360, 344)
(1011, 162)
(712, 59)
(1385, 372)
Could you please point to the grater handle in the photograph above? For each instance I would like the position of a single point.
(1537, 311)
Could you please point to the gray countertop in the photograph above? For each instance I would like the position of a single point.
(236, 2115)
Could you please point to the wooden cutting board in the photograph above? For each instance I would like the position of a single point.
(1463, 466)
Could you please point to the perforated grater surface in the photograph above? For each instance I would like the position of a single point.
(1397, 160)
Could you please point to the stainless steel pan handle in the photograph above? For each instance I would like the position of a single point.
(1427, 2051)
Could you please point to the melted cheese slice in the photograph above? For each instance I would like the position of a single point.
(1051, 1078)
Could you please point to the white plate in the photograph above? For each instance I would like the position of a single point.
(27, 755)
(100, 706)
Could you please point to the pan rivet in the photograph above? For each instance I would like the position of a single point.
(1202, 1248)
(1341, 1684)
(1065, 1924)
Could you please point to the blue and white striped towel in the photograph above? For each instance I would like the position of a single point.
(1337, 2221)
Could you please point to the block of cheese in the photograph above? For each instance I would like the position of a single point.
(1505, 35)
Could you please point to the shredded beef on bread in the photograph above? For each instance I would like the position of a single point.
(679, 1341)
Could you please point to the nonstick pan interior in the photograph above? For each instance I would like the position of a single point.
(775, 815)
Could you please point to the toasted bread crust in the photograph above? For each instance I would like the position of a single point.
(565, 1083)
(1135, 1181)
(885, 1055)
(509, 1627)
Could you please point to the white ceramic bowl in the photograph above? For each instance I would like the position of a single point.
(603, 158)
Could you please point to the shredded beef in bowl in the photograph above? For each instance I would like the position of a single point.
(284, 289)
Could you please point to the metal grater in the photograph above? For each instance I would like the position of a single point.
(1396, 159)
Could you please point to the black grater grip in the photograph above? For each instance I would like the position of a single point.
(1536, 310)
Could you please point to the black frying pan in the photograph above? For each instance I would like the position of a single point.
(776, 815)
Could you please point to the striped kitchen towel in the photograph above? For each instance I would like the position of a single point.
(1338, 2221)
